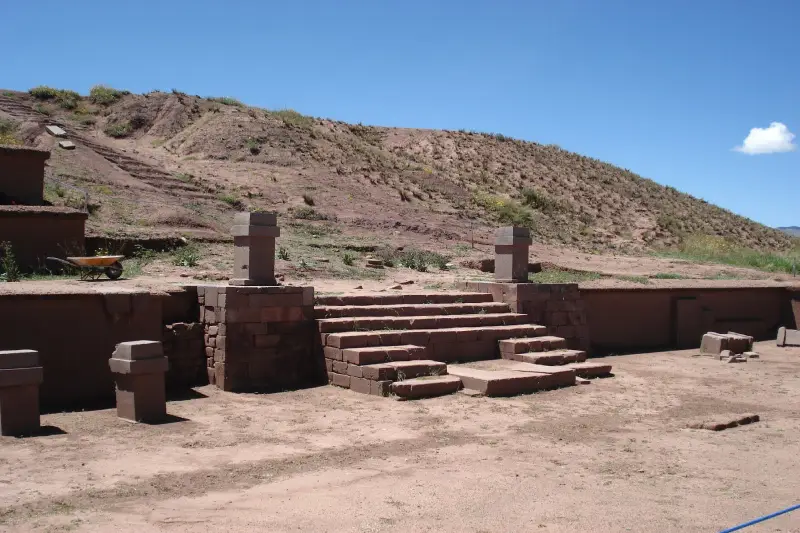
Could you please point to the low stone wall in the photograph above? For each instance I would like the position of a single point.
(667, 318)
(38, 232)
(260, 338)
(75, 335)
(558, 306)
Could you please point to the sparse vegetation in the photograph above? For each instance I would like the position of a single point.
(231, 200)
(225, 100)
(254, 146)
(348, 259)
(715, 249)
(539, 200)
(504, 210)
(8, 130)
(9, 269)
(305, 212)
(118, 129)
(186, 256)
(308, 199)
(668, 275)
(563, 276)
(283, 253)
(105, 95)
(291, 117)
(641, 280)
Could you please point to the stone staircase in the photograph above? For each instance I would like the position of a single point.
(429, 344)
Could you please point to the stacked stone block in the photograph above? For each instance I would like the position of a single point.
(138, 368)
(184, 346)
(715, 343)
(259, 337)
(558, 306)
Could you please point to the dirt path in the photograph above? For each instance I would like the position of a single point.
(611, 456)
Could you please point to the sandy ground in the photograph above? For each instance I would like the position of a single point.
(612, 456)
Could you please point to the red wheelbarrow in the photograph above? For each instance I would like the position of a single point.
(94, 267)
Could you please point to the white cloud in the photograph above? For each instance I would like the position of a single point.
(772, 140)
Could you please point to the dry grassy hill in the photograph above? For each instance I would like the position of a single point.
(171, 163)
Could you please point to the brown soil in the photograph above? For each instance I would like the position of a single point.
(615, 455)
(185, 164)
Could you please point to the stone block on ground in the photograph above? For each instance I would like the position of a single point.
(426, 387)
(138, 368)
(502, 382)
(788, 337)
(590, 370)
(66, 145)
(55, 131)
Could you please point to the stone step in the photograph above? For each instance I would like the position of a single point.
(505, 382)
(563, 376)
(405, 298)
(376, 354)
(554, 357)
(339, 311)
(401, 370)
(539, 343)
(446, 345)
(338, 325)
(590, 369)
(426, 387)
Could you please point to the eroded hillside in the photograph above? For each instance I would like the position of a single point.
(171, 163)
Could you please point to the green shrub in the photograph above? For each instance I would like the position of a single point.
(421, 259)
(231, 200)
(119, 129)
(43, 92)
(283, 253)
(504, 210)
(716, 249)
(8, 130)
(348, 259)
(9, 269)
(668, 275)
(186, 256)
(105, 95)
(254, 146)
(68, 99)
(538, 200)
(290, 117)
(308, 213)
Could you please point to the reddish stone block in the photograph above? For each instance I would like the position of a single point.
(340, 380)
(360, 385)
(329, 365)
(212, 330)
(332, 353)
(558, 319)
(379, 372)
(380, 388)
(355, 371)
(219, 356)
(243, 314)
(340, 367)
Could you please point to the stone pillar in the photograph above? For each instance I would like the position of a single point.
(260, 338)
(20, 377)
(511, 255)
(254, 237)
(138, 369)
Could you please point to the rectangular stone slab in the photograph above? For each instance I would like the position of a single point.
(426, 387)
(142, 366)
(590, 370)
(18, 358)
(138, 350)
(255, 219)
(16, 377)
(500, 382)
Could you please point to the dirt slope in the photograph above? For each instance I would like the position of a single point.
(167, 163)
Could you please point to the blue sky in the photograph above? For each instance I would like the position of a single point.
(665, 89)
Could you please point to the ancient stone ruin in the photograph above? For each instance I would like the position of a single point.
(138, 368)
(33, 229)
(20, 377)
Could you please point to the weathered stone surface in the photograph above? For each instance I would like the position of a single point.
(18, 358)
(426, 387)
(55, 131)
(66, 145)
(137, 350)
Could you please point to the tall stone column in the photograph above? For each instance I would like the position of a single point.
(254, 237)
(511, 254)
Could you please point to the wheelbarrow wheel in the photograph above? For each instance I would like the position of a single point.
(114, 271)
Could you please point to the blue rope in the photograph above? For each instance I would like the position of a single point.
(762, 519)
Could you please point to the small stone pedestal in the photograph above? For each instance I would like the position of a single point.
(20, 377)
(511, 255)
(138, 369)
(254, 237)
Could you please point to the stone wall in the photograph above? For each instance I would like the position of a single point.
(559, 306)
(38, 232)
(185, 349)
(666, 318)
(22, 175)
(75, 334)
(260, 337)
